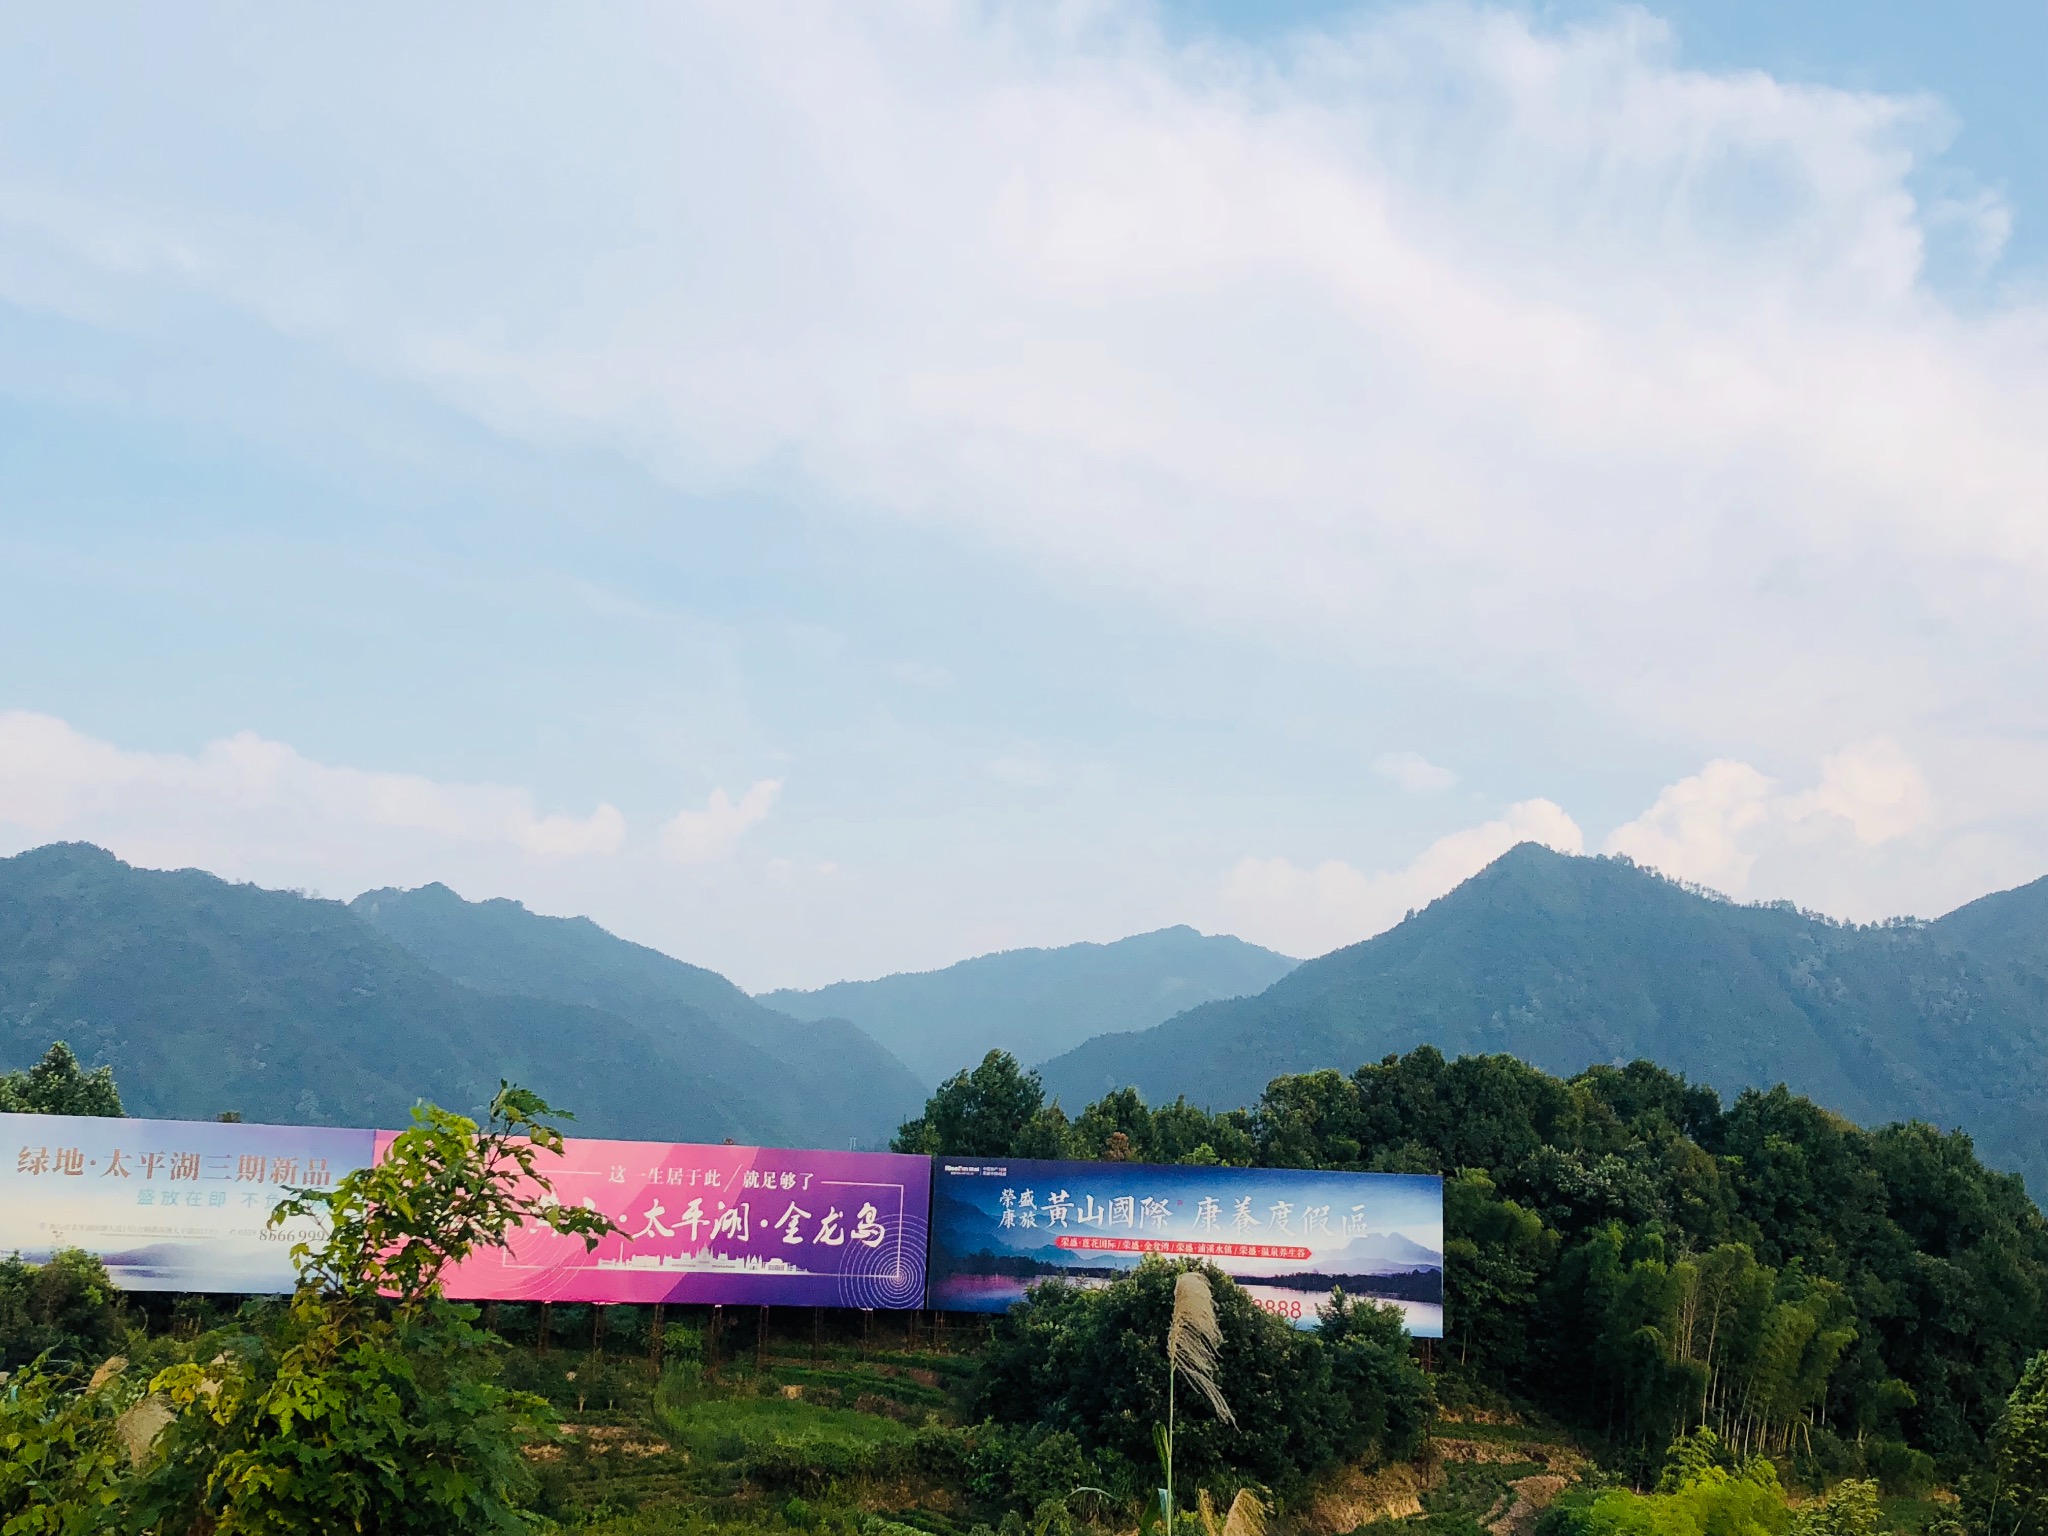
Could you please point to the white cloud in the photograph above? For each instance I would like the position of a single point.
(703, 837)
(1714, 826)
(244, 803)
(1436, 342)
(1414, 772)
(1437, 337)
(1874, 787)
(1311, 911)
(1696, 830)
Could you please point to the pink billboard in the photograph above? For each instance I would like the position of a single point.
(732, 1225)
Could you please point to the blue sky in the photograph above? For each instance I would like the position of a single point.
(833, 491)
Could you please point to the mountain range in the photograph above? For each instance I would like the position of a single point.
(1036, 1003)
(210, 997)
(1567, 961)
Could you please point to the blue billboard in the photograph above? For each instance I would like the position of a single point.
(1287, 1236)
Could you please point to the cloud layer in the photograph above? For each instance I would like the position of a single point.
(702, 837)
(1310, 911)
(1712, 827)
(248, 808)
(1442, 345)
(1430, 337)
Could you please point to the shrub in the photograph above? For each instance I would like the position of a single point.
(1090, 1364)
(67, 1309)
(371, 1404)
(1696, 1496)
(61, 1458)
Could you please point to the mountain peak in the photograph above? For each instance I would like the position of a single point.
(1568, 961)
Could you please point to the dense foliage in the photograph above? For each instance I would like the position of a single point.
(371, 1405)
(1088, 1364)
(66, 1309)
(58, 1085)
(2010, 1497)
(1705, 1490)
(62, 1463)
(1633, 1255)
(219, 997)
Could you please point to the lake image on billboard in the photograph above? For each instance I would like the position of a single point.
(167, 1205)
(1288, 1236)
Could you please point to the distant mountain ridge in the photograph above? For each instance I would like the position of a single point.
(821, 1078)
(1567, 961)
(209, 996)
(1037, 1003)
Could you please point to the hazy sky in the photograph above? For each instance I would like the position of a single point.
(833, 490)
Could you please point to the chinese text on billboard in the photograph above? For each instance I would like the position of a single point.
(167, 1205)
(1288, 1236)
(732, 1225)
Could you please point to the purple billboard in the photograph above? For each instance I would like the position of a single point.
(731, 1225)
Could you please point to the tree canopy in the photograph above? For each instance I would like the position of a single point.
(1633, 1254)
(58, 1085)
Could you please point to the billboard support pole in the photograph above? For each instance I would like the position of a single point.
(654, 1341)
(817, 1333)
(546, 1315)
(761, 1338)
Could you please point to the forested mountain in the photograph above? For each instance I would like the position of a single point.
(216, 997)
(819, 1079)
(1036, 1003)
(1567, 962)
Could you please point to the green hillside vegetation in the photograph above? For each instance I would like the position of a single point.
(1637, 1259)
(217, 997)
(369, 1404)
(59, 1085)
(1564, 961)
(1037, 1003)
(815, 1081)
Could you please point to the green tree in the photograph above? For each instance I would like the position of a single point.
(370, 1404)
(1495, 1252)
(1092, 1363)
(2017, 1504)
(58, 1085)
(996, 1110)
(1696, 1496)
(1850, 1509)
(66, 1309)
